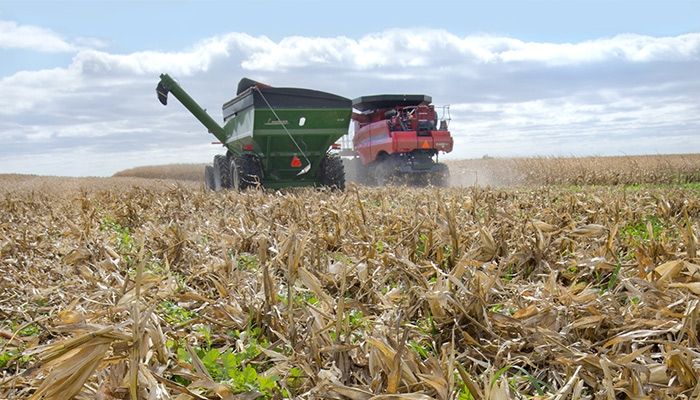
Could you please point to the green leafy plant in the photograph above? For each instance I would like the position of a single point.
(205, 332)
(125, 242)
(637, 231)
(13, 357)
(422, 348)
(6, 357)
(421, 246)
(464, 394)
(173, 313)
(247, 262)
(614, 277)
(379, 246)
(295, 378)
(29, 330)
(427, 325)
(236, 370)
(357, 319)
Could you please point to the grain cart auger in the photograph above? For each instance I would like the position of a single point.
(274, 137)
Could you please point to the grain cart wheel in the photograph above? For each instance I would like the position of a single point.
(331, 172)
(249, 171)
(209, 182)
(222, 172)
(235, 174)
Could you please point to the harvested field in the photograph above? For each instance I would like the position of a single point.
(619, 170)
(68, 186)
(168, 291)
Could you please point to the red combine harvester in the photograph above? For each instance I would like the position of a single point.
(397, 139)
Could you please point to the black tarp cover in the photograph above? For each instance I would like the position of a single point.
(380, 101)
(281, 98)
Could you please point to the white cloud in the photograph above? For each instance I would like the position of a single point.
(88, 161)
(29, 37)
(410, 48)
(510, 96)
(635, 48)
(392, 48)
(604, 124)
(15, 36)
(25, 90)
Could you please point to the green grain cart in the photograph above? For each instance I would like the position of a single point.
(274, 137)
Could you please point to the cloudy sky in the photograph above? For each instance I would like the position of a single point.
(543, 77)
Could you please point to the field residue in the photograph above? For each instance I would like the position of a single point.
(169, 291)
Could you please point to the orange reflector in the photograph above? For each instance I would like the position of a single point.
(425, 144)
(296, 162)
(335, 146)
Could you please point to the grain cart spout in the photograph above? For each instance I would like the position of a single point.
(168, 85)
(274, 136)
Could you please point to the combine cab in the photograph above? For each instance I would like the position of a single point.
(274, 137)
(397, 139)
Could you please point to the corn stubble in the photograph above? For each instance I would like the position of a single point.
(611, 170)
(392, 293)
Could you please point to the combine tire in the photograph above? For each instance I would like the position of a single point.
(331, 172)
(209, 182)
(383, 172)
(250, 172)
(441, 176)
(222, 172)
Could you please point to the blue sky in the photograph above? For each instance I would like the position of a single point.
(524, 77)
(171, 25)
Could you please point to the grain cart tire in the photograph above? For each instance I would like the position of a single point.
(235, 172)
(222, 172)
(331, 172)
(249, 171)
(209, 182)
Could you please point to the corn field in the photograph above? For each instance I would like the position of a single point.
(162, 290)
(614, 170)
